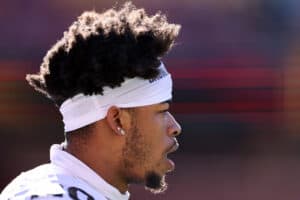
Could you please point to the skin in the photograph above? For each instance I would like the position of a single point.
(150, 133)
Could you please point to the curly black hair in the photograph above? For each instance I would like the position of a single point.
(101, 50)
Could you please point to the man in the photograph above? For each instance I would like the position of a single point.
(113, 91)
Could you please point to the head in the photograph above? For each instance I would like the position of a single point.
(103, 50)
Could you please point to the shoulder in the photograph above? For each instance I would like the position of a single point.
(32, 184)
(45, 183)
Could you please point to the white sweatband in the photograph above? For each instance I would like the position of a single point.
(82, 110)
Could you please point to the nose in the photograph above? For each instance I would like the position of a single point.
(174, 127)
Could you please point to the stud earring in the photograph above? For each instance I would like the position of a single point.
(121, 131)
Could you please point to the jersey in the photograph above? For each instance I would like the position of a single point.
(64, 178)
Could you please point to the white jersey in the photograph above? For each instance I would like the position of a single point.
(64, 178)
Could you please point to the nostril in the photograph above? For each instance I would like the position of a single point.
(176, 133)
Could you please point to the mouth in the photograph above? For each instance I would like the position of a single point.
(173, 148)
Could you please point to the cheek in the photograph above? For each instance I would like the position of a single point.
(155, 140)
(157, 137)
(159, 124)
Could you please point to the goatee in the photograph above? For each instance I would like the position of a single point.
(155, 183)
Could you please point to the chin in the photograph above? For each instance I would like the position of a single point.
(155, 183)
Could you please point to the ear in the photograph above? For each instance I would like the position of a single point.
(117, 120)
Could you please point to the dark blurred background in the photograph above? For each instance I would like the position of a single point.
(236, 69)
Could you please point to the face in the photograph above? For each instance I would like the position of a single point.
(149, 141)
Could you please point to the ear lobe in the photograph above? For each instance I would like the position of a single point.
(114, 115)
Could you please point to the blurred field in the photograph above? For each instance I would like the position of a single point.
(236, 71)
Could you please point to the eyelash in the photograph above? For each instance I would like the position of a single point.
(163, 111)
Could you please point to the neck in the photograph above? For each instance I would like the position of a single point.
(99, 159)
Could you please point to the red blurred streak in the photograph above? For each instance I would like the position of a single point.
(260, 119)
(206, 83)
(293, 83)
(248, 113)
(292, 106)
(14, 70)
(36, 109)
(226, 107)
(30, 109)
(247, 117)
(247, 95)
(231, 73)
(241, 95)
(237, 61)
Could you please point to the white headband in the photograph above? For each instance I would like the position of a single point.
(82, 110)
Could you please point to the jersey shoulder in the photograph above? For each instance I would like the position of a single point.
(35, 183)
(45, 183)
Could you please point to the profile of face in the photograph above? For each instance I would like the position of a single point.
(151, 138)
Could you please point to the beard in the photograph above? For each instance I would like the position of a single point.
(136, 153)
(155, 183)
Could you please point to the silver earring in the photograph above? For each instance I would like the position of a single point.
(121, 131)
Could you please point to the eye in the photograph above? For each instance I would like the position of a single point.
(164, 108)
(164, 111)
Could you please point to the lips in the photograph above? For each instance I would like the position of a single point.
(173, 148)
